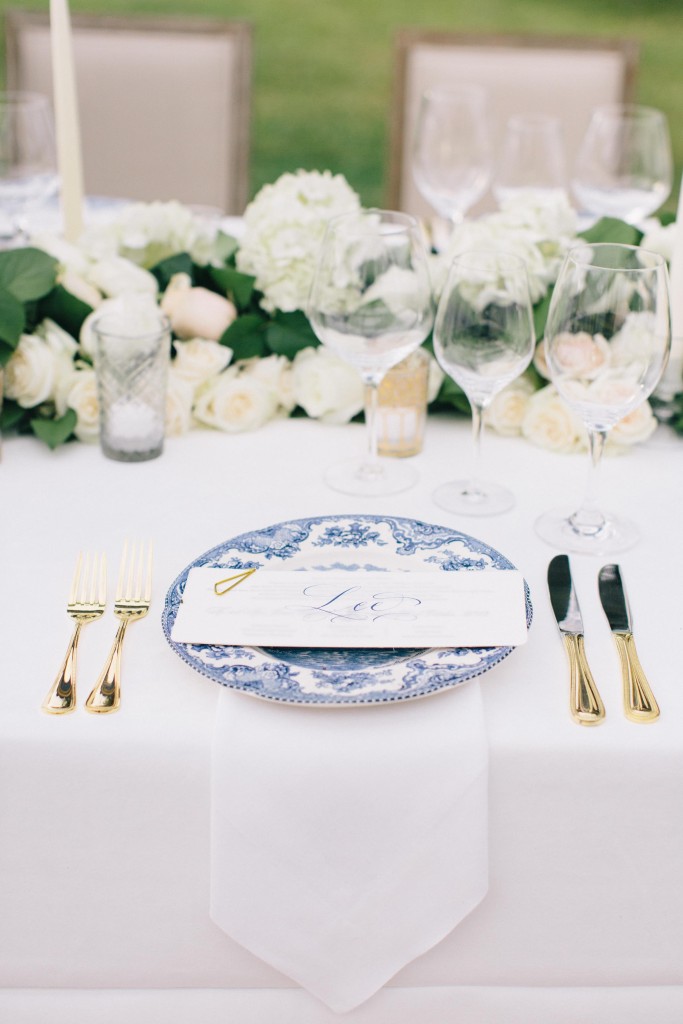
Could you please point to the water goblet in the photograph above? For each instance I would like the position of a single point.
(483, 339)
(371, 304)
(452, 156)
(28, 162)
(532, 159)
(607, 340)
(624, 165)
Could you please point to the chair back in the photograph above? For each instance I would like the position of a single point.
(164, 104)
(562, 77)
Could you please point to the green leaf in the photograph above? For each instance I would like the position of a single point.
(246, 337)
(181, 263)
(288, 333)
(55, 432)
(239, 287)
(12, 414)
(27, 273)
(65, 309)
(12, 322)
(609, 229)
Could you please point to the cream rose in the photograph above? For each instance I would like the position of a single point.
(580, 356)
(634, 428)
(31, 372)
(276, 373)
(550, 423)
(196, 312)
(325, 387)
(79, 392)
(200, 359)
(506, 411)
(234, 402)
(179, 399)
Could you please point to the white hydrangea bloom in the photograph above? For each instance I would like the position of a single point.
(284, 226)
(146, 233)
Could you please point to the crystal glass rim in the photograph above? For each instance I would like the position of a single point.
(163, 327)
(656, 259)
(391, 218)
(636, 111)
(510, 258)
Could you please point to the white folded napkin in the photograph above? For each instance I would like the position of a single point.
(347, 841)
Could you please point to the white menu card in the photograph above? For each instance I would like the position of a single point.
(362, 608)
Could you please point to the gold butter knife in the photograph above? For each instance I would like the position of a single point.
(639, 701)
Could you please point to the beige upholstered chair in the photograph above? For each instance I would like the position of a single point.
(563, 77)
(164, 104)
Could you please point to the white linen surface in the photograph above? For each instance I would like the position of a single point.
(105, 820)
(345, 844)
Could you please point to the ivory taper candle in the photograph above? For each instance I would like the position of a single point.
(66, 119)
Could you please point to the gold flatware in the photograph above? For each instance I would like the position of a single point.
(639, 700)
(585, 703)
(86, 602)
(132, 601)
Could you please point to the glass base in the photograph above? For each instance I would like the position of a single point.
(357, 476)
(482, 499)
(559, 529)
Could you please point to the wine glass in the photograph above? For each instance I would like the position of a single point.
(483, 338)
(624, 165)
(532, 159)
(371, 304)
(28, 162)
(451, 159)
(607, 340)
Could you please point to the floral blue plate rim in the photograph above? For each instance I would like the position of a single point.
(338, 678)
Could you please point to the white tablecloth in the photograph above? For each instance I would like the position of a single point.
(104, 859)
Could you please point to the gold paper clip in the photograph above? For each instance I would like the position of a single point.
(238, 578)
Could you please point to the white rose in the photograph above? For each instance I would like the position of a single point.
(69, 256)
(276, 373)
(550, 423)
(539, 360)
(200, 359)
(141, 307)
(196, 312)
(78, 391)
(637, 426)
(179, 399)
(234, 402)
(325, 387)
(31, 372)
(508, 408)
(117, 276)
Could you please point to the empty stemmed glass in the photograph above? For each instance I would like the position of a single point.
(532, 159)
(607, 340)
(28, 162)
(371, 304)
(452, 157)
(624, 165)
(483, 338)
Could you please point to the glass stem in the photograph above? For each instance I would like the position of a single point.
(473, 485)
(588, 519)
(372, 423)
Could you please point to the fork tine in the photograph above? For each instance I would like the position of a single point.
(147, 596)
(85, 578)
(138, 571)
(121, 582)
(76, 578)
(102, 595)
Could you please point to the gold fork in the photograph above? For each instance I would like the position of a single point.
(132, 601)
(86, 602)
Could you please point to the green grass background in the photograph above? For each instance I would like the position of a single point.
(323, 68)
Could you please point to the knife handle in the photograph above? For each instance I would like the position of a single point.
(639, 700)
(584, 700)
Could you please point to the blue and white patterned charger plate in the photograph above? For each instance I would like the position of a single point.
(342, 677)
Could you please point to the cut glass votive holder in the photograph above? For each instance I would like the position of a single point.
(132, 354)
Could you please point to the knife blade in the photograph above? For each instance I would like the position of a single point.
(639, 701)
(585, 704)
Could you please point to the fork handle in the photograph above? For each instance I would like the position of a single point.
(62, 696)
(105, 696)
(639, 700)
